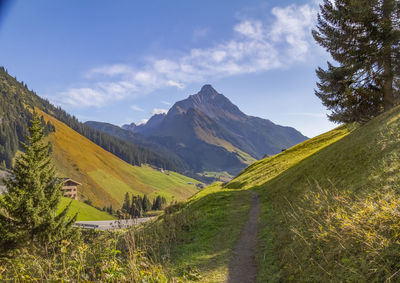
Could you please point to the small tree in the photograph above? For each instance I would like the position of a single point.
(28, 211)
(136, 205)
(127, 204)
(146, 204)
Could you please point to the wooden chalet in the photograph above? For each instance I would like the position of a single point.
(70, 188)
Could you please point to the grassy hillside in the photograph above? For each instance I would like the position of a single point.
(329, 205)
(201, 249)
(266, 169)
(85, 212)
(191, 240)
(105, 178)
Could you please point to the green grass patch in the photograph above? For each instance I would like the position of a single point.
(220, 176)
(268, 168)
(85, 211)
(206, 247)
(190, 239)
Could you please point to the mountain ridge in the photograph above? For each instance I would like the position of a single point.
(210, 133)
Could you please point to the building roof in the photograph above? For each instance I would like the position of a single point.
(70, 180)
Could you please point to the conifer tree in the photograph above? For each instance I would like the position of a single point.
(28, 211)
(363, 37)
(146, 205)
(126, 205)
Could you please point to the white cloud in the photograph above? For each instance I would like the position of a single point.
(293, 26)
(136, 108)
(112, 70)
(250, 29)
(165, 102)
(199, 33)
(83, 96)
(159, 111)
(175, 84)
(142, 122)
(255, 46)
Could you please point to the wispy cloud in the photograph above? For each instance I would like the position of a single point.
(165, 102)
(255, 46)
(136, 108)
(143, 121)
(199, 33)
(159, 111)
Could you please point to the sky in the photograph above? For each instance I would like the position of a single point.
(123, 61)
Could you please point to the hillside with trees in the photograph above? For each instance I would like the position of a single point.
(106, 178)
(16, 104)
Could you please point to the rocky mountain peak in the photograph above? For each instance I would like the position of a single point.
(208, 90)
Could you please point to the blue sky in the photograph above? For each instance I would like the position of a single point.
(121, 61)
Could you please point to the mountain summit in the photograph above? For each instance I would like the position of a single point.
(210, 102)
(210, 133)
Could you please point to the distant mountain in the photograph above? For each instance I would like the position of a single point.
(129, 127)
(209, 133)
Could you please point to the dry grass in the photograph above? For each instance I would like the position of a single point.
(105, 177)
(342, 237)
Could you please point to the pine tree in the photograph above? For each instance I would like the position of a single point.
(362, 37)
(146, 205)
(159, 203)
(126, 205)
(28, 211)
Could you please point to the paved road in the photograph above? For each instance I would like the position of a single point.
(111, 224)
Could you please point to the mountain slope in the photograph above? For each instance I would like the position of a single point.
(16, 104)
(209, 133)
(253, 135)
(322, 206)
(138, 139)
(105, 177)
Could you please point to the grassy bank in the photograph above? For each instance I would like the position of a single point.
(85, 211)
(360, 164)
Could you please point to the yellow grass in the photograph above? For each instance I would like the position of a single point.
(105, 178)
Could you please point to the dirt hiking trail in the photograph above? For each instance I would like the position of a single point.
(242, 267)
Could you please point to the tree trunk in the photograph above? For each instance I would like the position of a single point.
(388, 97)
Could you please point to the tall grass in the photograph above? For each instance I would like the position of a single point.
(341, 236)
(136, 255)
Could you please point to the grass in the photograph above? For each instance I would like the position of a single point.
(266, 169)
(205, 247)
(359, 162)
(187, 243)
(190, 239)
(85, 211)
(221, 176)
(212, 139)
(330, 211)
(105, 178)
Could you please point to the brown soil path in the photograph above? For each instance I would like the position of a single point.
(242, 267)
